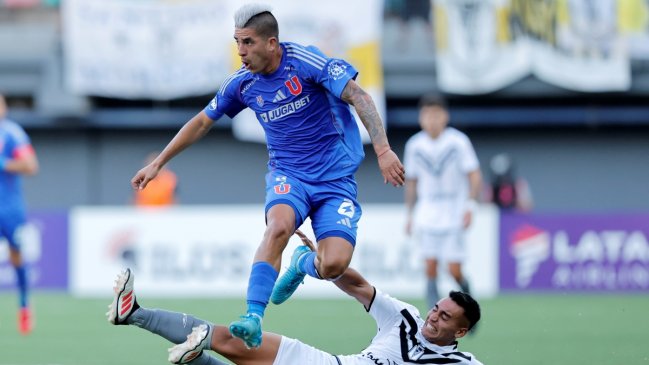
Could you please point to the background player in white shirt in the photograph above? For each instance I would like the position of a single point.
(403, 336)
(442, 184)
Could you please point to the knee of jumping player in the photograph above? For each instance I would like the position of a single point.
(280, 224)
(274, 242)
(280, 230)
(332, 268)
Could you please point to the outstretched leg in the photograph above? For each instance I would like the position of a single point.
(173, 326)
(455, 268)
(228, 346)
(432, 294)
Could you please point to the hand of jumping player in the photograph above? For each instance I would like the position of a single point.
(142, 177)
(391, 168)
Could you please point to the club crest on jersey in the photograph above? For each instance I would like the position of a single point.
(213, 104)
(347, 208)
(294, 86)
(282, 188)
(260, 100)
(336, 69)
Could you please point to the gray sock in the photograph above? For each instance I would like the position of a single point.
(206, 359)
(432, 296)
(464, 286)
(173, 326)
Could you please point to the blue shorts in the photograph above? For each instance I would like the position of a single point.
(9, 226)
(331, 205)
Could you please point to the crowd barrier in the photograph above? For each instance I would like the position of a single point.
(208, 250)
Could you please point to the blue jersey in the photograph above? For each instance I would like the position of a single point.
(310, 132)
(13, 143)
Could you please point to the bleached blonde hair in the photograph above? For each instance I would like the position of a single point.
(244, 13)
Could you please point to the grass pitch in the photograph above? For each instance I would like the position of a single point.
(529, 329)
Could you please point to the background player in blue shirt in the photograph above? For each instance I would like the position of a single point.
(17, 157)
(302, 100)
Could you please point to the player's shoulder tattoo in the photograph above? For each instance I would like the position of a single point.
(351, 91)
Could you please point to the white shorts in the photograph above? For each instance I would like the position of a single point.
(442, 245)
(294, 352)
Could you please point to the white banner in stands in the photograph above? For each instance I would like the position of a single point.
(145, 49)
(486, 45)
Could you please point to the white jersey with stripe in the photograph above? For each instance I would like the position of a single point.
(441, 166)
(399, 339)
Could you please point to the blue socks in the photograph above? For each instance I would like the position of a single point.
(21, 275)
(306, 264)
(260, 286)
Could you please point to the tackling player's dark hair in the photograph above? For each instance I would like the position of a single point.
(470, 306)
(264, 24)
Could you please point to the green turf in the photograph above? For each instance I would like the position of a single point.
(539, 329)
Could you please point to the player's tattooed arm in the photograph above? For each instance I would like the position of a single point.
(366, 110)
(391, 168)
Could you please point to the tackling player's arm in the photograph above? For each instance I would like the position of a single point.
(352, 283)
(391, 168)
(191, 132)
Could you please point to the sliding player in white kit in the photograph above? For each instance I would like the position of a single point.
(403, 336)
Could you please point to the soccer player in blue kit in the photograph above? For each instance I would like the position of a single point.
(302, 100)
(17, 157)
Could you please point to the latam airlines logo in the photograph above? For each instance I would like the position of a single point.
(582, 257)
(530, 247)
(285, 110)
